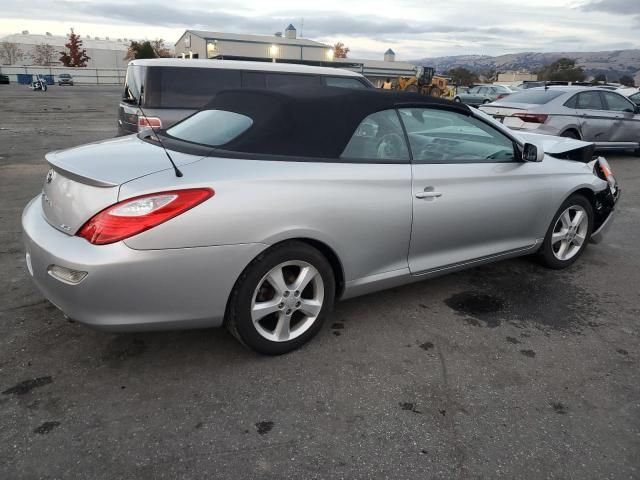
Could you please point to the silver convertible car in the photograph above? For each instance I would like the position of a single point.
(261, 210)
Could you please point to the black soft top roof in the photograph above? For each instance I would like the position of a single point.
(305, 122)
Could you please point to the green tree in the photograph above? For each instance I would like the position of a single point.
(74, 55)
(141, 50)
(461, 76)
(564, 69)
(600, 78)
(627, 81)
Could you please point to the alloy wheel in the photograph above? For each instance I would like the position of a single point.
(287, 301)
(569, 233)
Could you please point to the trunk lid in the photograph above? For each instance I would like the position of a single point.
(506, 109)
(84, 180)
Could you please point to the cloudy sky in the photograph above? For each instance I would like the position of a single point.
(414, 29)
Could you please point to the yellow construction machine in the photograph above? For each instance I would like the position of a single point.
(425, 82)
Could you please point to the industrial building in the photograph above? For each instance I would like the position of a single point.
(284, 47)
(103, 52)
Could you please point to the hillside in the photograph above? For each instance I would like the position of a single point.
(613, 63)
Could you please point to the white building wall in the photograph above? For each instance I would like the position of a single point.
(248, 49)
(102, 53)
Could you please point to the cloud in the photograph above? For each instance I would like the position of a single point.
(406, 25)
(619, 7)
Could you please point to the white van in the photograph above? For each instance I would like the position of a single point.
(174, 88)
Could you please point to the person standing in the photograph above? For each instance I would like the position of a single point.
(387, 84)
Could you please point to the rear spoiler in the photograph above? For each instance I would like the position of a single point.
(76, 175)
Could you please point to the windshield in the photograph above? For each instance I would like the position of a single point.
(211, 127)
(537, 97)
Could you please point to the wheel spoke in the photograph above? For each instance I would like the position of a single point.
(282, 329)
(564, 246)
(311, 308)
(558, 237)
(304, 277)
(566, 219)
(276, 280)
(262, 309)
(578, 240)
(577, 220)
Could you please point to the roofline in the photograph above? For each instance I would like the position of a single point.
(245, 65)
(275, 40)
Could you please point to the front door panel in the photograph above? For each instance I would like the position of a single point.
(477, 210)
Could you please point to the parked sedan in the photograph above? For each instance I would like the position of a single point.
(483, 94)
(65, 79)
(266, 207)
(593, 114)
(632, 94)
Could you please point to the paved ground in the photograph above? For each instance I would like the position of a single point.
(505, 371)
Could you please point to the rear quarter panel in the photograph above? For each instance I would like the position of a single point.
(361, 211)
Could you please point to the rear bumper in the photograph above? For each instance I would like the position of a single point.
(132, 290)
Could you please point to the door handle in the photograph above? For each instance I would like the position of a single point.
(430, 194)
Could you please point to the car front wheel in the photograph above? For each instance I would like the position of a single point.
(281, 299)
(568, 233)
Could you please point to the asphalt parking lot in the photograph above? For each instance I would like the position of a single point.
(504, 371)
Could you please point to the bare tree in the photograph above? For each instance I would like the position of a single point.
(44, 54)
(160, 49)
(10, 53)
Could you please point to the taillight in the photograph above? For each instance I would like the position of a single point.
(136, 215)
(532, 117)
(149, 122)
(501, 96)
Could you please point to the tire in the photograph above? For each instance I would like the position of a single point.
(566, 232)
(284, 305)
(570, 134)
(484, 102)
(457, 100)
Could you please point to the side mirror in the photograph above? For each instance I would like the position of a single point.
(532, 153)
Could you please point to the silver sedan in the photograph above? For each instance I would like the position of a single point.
(604, 117)
(264, 208)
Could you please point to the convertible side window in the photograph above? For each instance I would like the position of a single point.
(378, 138)
(443, 136)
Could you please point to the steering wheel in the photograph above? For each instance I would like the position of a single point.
(390, 145)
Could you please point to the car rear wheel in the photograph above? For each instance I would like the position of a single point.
(281, 299)
(486, 101)
(457, 99)
(568, 234)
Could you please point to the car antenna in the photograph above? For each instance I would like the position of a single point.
(175, 167)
